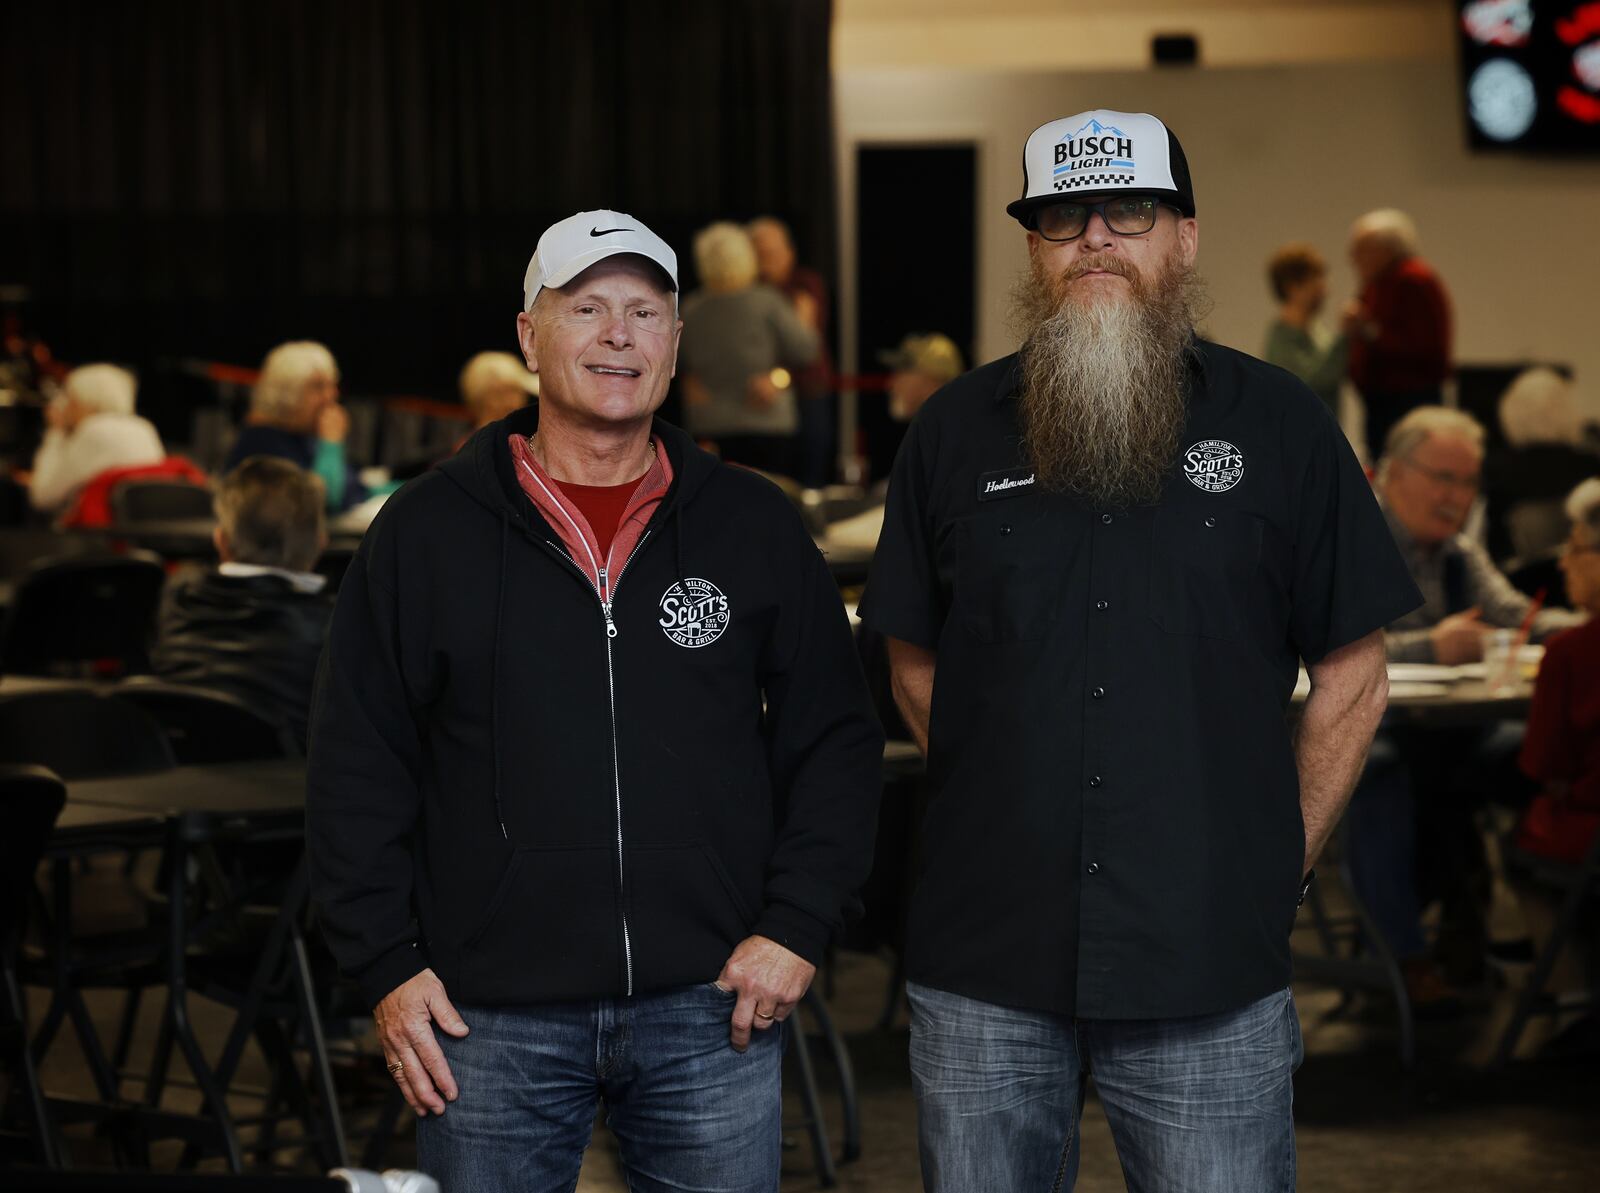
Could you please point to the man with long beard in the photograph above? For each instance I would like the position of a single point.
(1113, 549)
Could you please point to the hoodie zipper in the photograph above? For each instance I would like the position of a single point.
(605, 591)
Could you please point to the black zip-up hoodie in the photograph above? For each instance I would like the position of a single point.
(540, 811)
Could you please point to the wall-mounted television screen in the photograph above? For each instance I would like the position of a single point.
(1530, 74)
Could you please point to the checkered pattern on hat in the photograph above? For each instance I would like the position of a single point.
(1079, 181)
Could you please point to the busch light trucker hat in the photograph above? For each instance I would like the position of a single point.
(570, 246)
(1098, 152)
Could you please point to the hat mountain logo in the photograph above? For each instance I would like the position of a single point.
(1094, 155)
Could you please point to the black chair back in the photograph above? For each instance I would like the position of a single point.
(81, 733)
(203, 725)
(24, 547)
(30, 800)
(135, 501)
(1541, 573)
(74, 611)
(31, 797)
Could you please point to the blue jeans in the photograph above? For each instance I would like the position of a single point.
(1202, 1105)
(688, 1112)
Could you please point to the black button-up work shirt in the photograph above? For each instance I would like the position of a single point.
(1115, 825)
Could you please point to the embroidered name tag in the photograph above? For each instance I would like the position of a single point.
(1007, 482)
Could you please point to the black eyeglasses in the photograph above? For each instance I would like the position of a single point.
(1126, 215)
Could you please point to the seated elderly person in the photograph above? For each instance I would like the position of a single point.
(92, 429)
(295, 415)
(1561, 748)
(1428, 478)
(494, 384)
(1412, 834)
(1527, 482)
(254, 625)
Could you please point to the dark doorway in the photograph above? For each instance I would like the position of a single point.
(916, 262)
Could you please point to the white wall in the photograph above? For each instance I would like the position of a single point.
(1279, 154)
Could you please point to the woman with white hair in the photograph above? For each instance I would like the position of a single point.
(295, 415)
(1527, 483)
(1561, 748)
(92, 429)
(742, 343)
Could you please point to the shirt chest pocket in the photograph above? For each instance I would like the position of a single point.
(1202, 571)
(1008, 585)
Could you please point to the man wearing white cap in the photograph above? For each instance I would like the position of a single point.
(1102, 560)
(593, 771)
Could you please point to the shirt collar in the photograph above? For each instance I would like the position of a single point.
(305, 582)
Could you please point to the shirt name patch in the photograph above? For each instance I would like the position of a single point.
(1213, 465)
(1008, 482)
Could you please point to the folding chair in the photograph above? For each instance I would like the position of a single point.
(81, 733)
(67, 615)
(134, 501)
(1354, 955)
(204, 725)
(31, 798)
(242, 944)
(799, 1045)
(1581, 883)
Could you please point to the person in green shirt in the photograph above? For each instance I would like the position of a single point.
(1299, 278)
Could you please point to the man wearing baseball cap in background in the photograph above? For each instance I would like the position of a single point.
(593, 771)
(1102, 560)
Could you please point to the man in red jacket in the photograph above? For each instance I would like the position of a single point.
(1399, 327)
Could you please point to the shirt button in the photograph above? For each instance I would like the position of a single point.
(1211, 521)
(1094, 780)
(1106, 518)
(1097, 693)
(1005, 530)
(1102, 605)
(1094, 867)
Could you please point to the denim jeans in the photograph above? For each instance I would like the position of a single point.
(688, 1112)
(1201, 1105)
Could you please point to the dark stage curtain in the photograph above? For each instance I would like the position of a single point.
(205, 178)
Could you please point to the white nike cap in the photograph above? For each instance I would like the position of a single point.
(570, 246)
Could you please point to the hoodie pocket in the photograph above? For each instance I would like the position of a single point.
(550, 932)
(685, 914)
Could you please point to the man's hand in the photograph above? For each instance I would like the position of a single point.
(1355, 321)
(333, 423)
(769, 980)
(805, 308)
(1459, 638)
(405, 1020)
(760, 392)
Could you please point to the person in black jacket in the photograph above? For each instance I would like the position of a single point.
(593, 771)
(254, 626)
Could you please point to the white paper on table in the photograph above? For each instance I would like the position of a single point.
(1427, 673)
(1414, 690)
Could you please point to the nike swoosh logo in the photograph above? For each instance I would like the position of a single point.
(607, 231)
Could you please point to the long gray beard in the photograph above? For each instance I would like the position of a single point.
(1103, 382)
